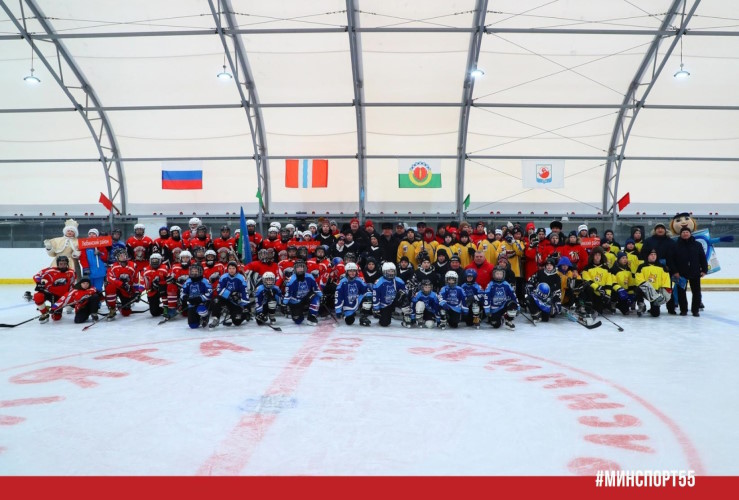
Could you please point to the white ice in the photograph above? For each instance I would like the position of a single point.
(356, 401)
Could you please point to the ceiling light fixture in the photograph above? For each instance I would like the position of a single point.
(681, 73)
(32, 79)
(477, 72)
(224, 75)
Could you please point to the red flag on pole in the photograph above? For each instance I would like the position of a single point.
(106, 202)
(625, 200)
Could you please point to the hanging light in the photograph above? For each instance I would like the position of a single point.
(32, 79)
(477, 72)
(682, 72)
(224, 75)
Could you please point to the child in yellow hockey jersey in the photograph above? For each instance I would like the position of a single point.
(653, 285)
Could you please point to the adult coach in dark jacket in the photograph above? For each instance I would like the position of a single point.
(665, 247)
(690, 263)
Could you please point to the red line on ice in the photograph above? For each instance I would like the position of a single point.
(237, 448)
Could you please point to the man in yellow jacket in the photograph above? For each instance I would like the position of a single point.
(407, 247)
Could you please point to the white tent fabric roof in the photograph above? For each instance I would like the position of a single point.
(544, 94)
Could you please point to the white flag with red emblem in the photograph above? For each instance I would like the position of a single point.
(543, 174)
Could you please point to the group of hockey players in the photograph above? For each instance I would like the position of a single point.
(454, 276)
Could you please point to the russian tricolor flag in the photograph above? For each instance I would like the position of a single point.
(306, 173)
(182, 179)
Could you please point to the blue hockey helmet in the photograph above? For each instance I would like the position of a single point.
(336, 261)
(470, 273)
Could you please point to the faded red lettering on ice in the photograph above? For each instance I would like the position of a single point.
(589, 466)
(78, 376)
(510, 364)
(560, 380)
(588, 402)
(618, 421)
(138, 355)
(621, 441)
(213, 348)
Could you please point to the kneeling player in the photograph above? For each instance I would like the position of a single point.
(501, 305)
(474, 298)
(389, 293)
(196, 292)
(425, 307)
(51, 284)
(230, 293)
(268, 294)
(453, 301)
(544, 292)
(302, 295)
(351, 294)
(84, 298)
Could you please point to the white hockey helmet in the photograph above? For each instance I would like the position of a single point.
(388, 270)
(194, 222)
(138, 226)
(210, 252)
(273, 229)
(290, 226)
(351, 266)
(251, 222)
(277, 225)
(451, 275)
(312, 225)
(185, 253)
(268, 278)
(155, 256)
(174, 228)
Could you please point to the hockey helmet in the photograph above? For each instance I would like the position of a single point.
(451, 278)
(388, 270)
(268, 279)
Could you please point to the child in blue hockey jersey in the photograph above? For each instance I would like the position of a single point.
(232, 295)
(424, 307)
(268, 295)
(474, 298)
(196, 293)
(302, 294)
(453, 301)
(501, 304)
(388, 293)
(352, 293)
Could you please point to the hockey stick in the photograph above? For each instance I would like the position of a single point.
(620, 329)
(330, 313)
(7, 325)
(572, 317)
(528, 318)
(101, 317)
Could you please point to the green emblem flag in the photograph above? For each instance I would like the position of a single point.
(419, 173)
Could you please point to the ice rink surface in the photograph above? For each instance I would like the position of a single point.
(133, 397)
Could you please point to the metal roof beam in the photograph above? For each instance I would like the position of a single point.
(378, 157)
(102, 132)
(627, 117)
(344, 29)
(355, 50)
(180, 107)
(240, 68)
(473, 54)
